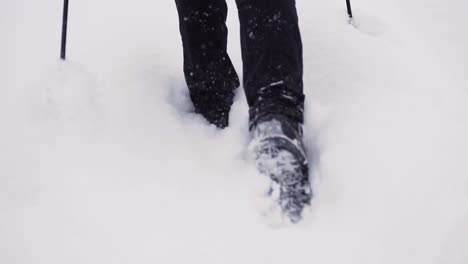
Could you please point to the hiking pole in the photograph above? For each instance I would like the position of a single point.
(63, 49)
(350, 12)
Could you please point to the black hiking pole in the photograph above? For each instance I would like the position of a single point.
(350, 12)
(63, 49)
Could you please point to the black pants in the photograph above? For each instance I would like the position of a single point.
(271, 53)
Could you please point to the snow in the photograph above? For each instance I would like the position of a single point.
(102, 160)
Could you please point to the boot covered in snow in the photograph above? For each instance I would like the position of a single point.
(278, 151)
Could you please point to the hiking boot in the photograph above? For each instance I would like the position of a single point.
(279, 153)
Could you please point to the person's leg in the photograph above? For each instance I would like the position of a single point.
(209, 73)
(272, 58)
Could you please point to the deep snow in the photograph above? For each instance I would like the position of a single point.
(102, 160)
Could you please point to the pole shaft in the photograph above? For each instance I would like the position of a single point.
(63, 49)
(348, 5)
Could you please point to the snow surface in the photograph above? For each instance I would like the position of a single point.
(102, 160)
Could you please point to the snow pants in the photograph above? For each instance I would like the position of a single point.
(271, 54)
